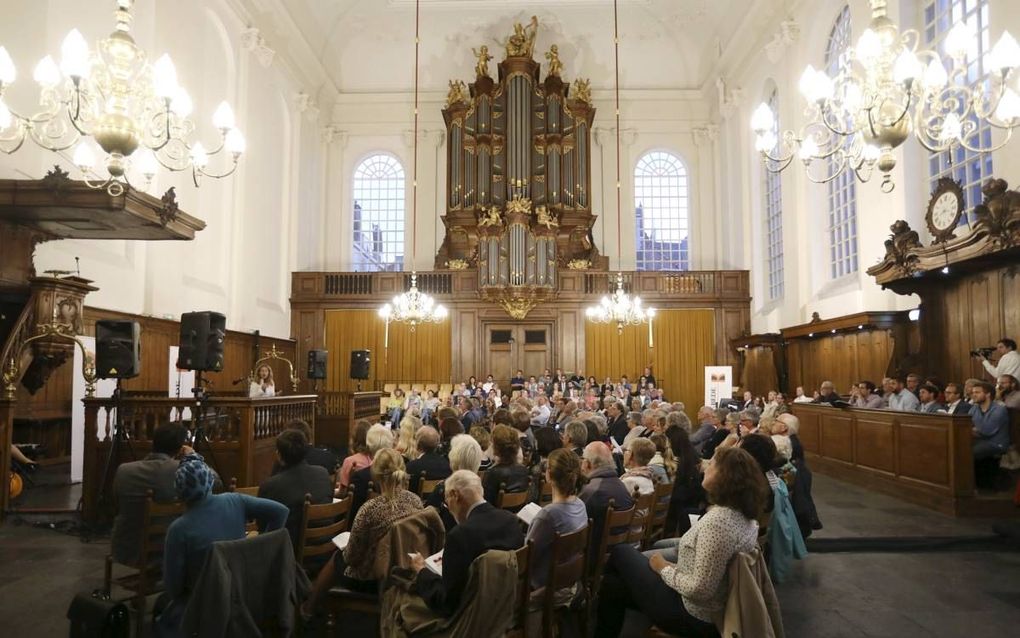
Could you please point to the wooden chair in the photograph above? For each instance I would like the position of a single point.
(319, 524)
(545, 493)
(619, 520)
(146, 579)
(643, 511)
(657, 524)
(427, 486)
(568, 560)
(519, 628)
(511, 501)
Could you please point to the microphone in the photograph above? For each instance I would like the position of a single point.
(236, 381)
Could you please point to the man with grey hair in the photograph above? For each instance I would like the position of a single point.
(603, 486)
(707, 423)
(827, 393)
(540, 413)
(575, 436)
(480, 528)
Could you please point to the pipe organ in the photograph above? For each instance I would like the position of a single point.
(518, 202)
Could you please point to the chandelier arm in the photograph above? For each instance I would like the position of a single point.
(230, 171)
(841, 164)
(823, 119)
(20, 142)
(56, 148)
(990, 149)
(163, 141)
(780, 165)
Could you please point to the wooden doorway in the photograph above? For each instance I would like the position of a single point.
(512, 347)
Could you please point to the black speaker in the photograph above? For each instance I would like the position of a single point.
(117, 349)
(316, 364)
(359, 363)
(202, 335)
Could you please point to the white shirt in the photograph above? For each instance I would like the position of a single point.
(257, 391)
(803, 399)
(540, 415)
(1009, 363)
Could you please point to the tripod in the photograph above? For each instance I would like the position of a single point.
(198, 434)
(113, 454)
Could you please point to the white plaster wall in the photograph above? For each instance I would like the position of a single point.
(808, 286)
(258, 221)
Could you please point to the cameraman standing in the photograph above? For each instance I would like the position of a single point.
(1009, 360)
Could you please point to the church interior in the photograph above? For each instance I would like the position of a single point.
(468, 318)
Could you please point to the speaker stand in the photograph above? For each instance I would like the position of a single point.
(113, 454)
(198, 435)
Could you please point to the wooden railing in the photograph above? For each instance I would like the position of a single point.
(12, 346)
(236, 435)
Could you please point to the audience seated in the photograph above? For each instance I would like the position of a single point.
(484, 440)
(359, 458)
(132, 482)
(378, 438)
(208, 518)
(296, 479)
(637, 475)
(827, 393)
(688, 495)
(465, 454)
(354, 566)
(708, 421)
(480, 527)
(663, 463)
(863, 395)
(406, 445)
(575, 437)
(566, 513)
(929, 399)
(683, 598)
(428, 459)
(1008, 391)
(900, 398)
(991, 423)
(618, 426)
(506, 473)
(449, 427)
(956, 401)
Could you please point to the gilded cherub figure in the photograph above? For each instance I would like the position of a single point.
(555, 66)
(457, 93)
(545, 218)
(522, 41)
(490, 218)
(482, 67)
(582, 90)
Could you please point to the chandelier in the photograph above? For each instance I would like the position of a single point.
(887, 89)
(413, 306)
(620, 308)
(135, 112)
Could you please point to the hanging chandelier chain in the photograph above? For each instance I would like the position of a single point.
(414, 163)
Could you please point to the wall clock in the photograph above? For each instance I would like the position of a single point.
(944, 209)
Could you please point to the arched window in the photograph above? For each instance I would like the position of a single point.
(773, 190)
(970, 169)
(661, 199)
(378, 240)
(843, 189)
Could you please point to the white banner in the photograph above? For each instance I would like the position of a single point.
(718, 384)
(104, 389)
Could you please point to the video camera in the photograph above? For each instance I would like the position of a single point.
(984, 353)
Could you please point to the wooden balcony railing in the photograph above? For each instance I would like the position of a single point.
(236, 435)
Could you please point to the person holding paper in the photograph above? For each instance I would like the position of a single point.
(566, 514)
(480, 527)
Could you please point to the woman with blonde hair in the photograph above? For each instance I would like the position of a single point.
(405, 440)
(354, 566)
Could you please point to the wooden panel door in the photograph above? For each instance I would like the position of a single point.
(512, 347)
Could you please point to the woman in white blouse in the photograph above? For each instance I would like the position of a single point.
(263, 385)
(683, 598)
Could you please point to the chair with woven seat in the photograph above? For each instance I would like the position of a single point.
(146, 579)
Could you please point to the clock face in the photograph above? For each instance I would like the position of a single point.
(943, 212)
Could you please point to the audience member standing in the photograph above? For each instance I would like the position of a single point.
(1008, 362)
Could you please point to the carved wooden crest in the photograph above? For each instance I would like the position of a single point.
(168, 212)
(998, 217)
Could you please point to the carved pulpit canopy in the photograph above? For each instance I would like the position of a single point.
(518, 204)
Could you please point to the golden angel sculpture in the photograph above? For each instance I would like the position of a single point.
(490, 218)
(457, 93)
(545, 218)
(482, 66)
(521, 42)
(555, 66)
(582, 90)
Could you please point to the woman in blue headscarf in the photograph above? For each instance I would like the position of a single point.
(208, 518)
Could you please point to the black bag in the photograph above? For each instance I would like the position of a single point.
(96, 616)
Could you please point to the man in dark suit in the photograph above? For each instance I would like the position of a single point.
(296, 478)
(480, 528)
(434, 465)
(618, 427)
(956, 403)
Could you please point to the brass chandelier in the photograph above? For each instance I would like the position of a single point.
(134, 111)
(413, 306)
(887, 89)
(620, 308)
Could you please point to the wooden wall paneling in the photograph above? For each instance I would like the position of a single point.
(923, 452)
(466, 344)
(837, 438)
(876, 445)
(570, 333)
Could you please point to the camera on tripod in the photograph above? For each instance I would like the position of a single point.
(984, 353)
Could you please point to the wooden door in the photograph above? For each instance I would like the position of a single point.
(512, 347)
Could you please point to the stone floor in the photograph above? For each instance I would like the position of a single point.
(829, 595)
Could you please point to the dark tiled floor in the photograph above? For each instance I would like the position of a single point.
(828, 595)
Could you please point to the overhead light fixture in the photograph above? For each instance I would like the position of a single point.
(120, 113)
(620, 308)
(886, 89)
(413, 307)
(914, 314)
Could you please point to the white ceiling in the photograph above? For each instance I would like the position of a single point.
(368, 45)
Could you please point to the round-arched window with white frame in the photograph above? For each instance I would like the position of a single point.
(662, 212)
(379, 214)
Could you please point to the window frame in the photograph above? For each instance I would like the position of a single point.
(647, 188)
(388, 187)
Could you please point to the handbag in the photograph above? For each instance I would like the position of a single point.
(96, 616)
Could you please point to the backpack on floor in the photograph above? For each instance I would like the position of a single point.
(96, 616)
